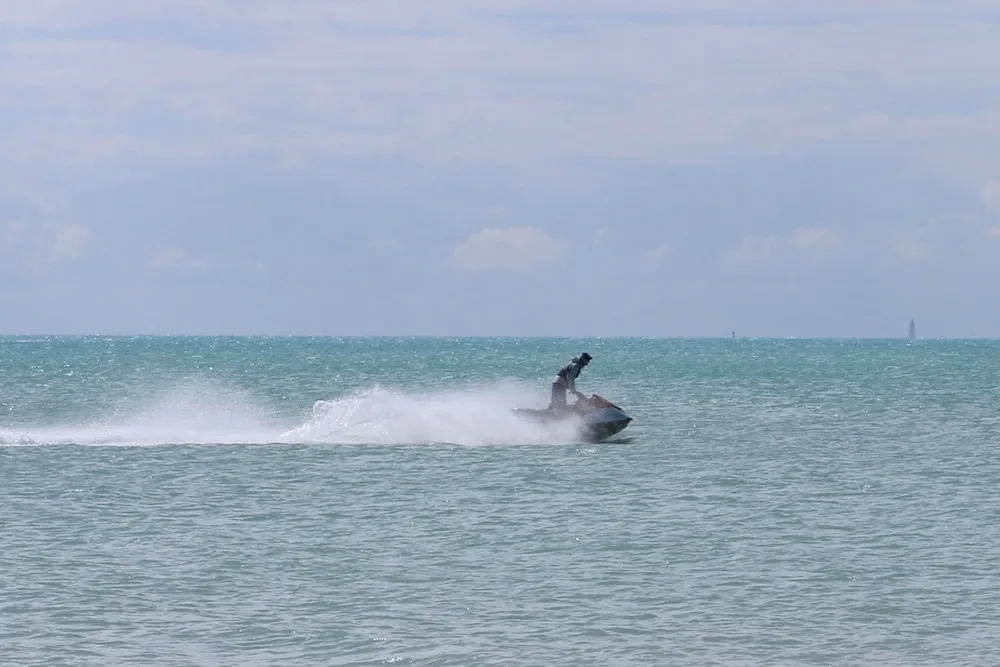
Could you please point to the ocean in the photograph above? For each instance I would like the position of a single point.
(367, 501)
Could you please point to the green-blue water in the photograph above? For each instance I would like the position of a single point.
(234, 501)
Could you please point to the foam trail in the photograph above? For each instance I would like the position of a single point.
(469, 417)
(204, 414)
(192, 414)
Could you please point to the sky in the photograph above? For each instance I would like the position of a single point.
(500, 168)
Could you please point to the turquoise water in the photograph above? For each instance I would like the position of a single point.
(239, 501)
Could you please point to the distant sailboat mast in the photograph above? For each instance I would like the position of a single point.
(913, 330)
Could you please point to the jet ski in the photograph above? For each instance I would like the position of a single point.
(600, 418)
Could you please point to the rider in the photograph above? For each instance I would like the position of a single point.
(565, 380)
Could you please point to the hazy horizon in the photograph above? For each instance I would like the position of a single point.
(496, 337)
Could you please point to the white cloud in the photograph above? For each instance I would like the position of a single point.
(70, 243)
(815, 238)
(513, 249)
(488, 80)
(991, 196)
(658, 253)
(167, 258)
(36, 247)
(175, 258)
(754, 250)
(912, 246)
(809, 243)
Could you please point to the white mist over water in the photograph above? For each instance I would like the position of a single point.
(378, 416)
(204, 414)
(196, 412)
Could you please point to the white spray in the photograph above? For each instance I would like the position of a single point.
(204, 413)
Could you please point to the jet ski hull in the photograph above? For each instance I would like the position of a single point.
(604, 423)
(600, 419)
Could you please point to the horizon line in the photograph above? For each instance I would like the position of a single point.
(491, 336)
